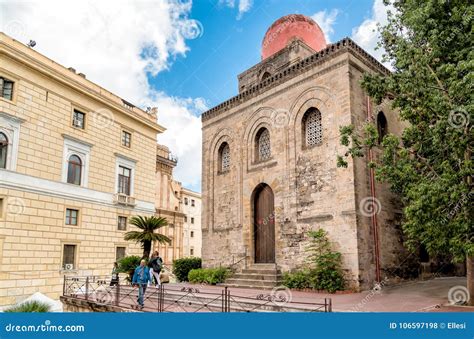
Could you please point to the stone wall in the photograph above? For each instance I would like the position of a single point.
(310, 191)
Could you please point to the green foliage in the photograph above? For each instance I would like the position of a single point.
(146, 236)
(128, 265)
(324, 267)
(299, 279)
(181, 267)
(208, 275)
(430, 165)
(29, 306)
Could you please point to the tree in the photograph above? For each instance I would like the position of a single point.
(431, 49)
(148, 226)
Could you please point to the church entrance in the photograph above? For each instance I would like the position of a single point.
(264, 224)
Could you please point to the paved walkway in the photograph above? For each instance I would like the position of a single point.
(419, 296)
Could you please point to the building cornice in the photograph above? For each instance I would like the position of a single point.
(344, 45)
(34, 60)
(187, 191)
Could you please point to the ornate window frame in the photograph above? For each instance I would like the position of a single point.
(124, 161)
(73, 146)
(262, 153)
(225, 160)
(317, 140)
(10, 126)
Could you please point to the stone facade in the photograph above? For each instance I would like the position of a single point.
(310, 192)
(34, 194)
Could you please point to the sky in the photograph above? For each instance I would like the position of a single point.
(180, 56)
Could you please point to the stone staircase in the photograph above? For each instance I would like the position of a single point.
(262, 276)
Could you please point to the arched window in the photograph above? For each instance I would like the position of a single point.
(224, 157)
(381, 126)
(312, 128)
(263, 147)
(74, 170)
(3, 150)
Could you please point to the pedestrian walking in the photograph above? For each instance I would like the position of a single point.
(141, 277)
(156, 264)
(115, 275)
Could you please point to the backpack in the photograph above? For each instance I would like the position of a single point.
(157, 264)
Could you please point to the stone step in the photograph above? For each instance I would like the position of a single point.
(261, 271)
(257, 276)
(252, 282)
(263, 266)
(248, 286)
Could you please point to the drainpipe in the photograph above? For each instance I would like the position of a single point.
(374, 207)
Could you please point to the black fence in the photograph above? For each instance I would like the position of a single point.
(98, 291)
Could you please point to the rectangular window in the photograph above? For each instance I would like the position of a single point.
(1, 207)
(126, 139)
(78, 119)
(192, 202)
(69, 257)
(124, 180)
(185, 219)
(185, 201)
(72, 216)
(192, 234)
(191, 251)
(192, 220)
(6, 88)
(119, 253)
(122, 223)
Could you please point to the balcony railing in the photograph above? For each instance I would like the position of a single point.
(123, 199)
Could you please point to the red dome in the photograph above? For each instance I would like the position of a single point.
(285, 29)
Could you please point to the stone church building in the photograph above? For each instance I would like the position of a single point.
(269, 162)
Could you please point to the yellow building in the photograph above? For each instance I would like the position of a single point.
(76, 161)
(168, 205)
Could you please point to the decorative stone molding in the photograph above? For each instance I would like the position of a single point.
(344, 45)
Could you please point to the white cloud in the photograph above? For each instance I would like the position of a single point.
(326, 21)
(366, 35)
(116, 43)
(183, 135)
(243, 6)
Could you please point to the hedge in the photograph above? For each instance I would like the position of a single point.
(181, 267)
(208, 275)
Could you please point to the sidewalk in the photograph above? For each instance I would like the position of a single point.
(418, 296)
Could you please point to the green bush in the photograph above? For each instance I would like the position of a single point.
(299, 279)
(181, 267)
(208, 275)
(128, 265)
(324, 267)
(29, 306)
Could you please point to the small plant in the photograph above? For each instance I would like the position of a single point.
(181, 267)
(29, 307)
(128, 265)
(208, 275)
(327, 272)
(324, 267)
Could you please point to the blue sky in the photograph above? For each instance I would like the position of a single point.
(180, 56)
(229, 45)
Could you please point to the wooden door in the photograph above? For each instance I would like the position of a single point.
(264, 225)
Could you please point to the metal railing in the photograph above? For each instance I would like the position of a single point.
(98, 291)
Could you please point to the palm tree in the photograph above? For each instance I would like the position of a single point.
(148, 226)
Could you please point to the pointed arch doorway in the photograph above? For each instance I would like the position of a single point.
(263, 224)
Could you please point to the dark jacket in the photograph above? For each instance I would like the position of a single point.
(156, 264)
